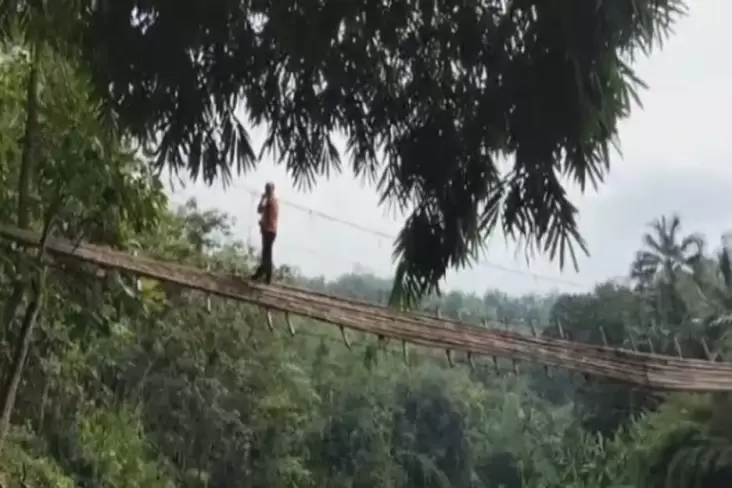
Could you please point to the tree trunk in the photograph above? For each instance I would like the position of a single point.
(24, 187)
(22, 345)
(7, 396)
(27, 156)
(7, 402)
(23, 217)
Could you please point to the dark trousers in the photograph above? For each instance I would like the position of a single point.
(266, 266)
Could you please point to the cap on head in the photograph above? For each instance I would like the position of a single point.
(269, 187)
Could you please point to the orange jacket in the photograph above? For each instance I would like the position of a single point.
(270, 210)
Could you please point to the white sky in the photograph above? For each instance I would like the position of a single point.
(674, 160)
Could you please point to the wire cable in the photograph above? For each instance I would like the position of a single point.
(391, 237)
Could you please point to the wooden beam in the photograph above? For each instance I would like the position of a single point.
(647, 370)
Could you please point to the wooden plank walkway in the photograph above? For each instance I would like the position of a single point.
(652, 371)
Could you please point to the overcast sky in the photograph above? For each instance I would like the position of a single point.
(674, 160)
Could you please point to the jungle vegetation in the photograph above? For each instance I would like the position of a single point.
(110, 381)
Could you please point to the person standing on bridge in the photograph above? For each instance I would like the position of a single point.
(268, 208)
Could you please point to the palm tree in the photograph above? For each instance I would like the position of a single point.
(714, 279)
(713, 282)
(665, 258)
(666, 254)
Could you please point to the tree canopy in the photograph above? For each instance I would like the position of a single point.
(432, 97)
(113, 381)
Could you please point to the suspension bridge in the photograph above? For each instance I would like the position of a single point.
(652, 371)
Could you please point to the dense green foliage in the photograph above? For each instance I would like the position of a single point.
(121, 382)
(430, 96)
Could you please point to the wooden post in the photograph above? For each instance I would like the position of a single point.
(270, 324)
(603, 335)
(536, 334)
(470, 361)
(677, 345)
(450, 361)
(290, 327)
(344, 336)
(208, 295)
(707, 351)
(560, 329)
(138, 283)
